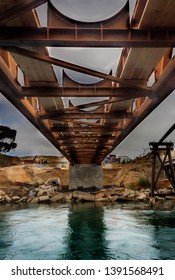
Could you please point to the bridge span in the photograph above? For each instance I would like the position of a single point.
(87, 133)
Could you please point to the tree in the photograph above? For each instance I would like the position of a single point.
(7, 139)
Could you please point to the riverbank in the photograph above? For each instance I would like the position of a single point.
(54, 194)
(45, 179)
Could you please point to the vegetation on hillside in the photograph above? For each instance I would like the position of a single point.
(7, 139)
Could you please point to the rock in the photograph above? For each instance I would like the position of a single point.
(125, 198)
(53, 182)
(37, 189)
(23, 199)
(165, 191)
(99, 195)
(42, 187)
(7, 198)
(40, 182)
(42, 192)
(145, 190)
(51, 188)
(104, 199)
(32, 193)
(118, 191)
(29, 199)
(43, 198)
(131, 196)
(15, 198)
(152, 201)
(83, 196)
(108, 192)
(160, 198)
(169, 197)
(142, 196)
(34, 200)
(57, 197)
(67, 196)
(1, 197)
(114, 198)
(126, 193)
(2, 193)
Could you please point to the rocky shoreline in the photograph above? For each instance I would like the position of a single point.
(55, 194)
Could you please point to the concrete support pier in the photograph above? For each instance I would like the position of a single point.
(86, 176)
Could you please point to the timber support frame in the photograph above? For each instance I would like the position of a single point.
(165, 161)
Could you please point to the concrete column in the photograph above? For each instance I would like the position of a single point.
(86, 176)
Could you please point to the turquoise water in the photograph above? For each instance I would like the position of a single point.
(86, 231)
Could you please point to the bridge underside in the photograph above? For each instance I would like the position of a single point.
(86, 133)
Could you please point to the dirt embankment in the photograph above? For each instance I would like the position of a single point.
(135, 174)
(17, 171)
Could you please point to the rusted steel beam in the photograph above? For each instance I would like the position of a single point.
(70, 141)
(84, 115)
(77, 142)
(80, 150)
(86, 37)
(138, 12)
(85, 138)
(18, 9)
(85, 91)
(11, 90)
(86, 126)
(81, 122)
(92, 104)
(68, 65)
(97, 103)
(161, 89)
(85, 146)
(170, 130)
(79, 156)
(85, 129)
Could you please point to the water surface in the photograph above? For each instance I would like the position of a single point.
(86, 231)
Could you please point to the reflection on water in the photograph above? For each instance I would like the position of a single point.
(85, 238)
(86, 231)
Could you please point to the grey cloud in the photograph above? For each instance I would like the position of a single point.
(29, 140)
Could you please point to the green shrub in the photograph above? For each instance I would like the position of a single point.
(144, 182)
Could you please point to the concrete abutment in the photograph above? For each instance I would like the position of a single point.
(85, 176)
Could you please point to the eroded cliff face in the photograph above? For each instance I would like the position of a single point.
(17, 171)
(135, 174)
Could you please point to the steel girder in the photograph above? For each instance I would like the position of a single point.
(86, 37)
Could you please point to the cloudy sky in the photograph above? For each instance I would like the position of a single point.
(31, 142)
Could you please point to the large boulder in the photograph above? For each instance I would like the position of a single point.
(15, 198)
(83, 196)
(42, 192)
(7, 198)
(35, 200)
(165, 191)
(142, 197)
(126, 193)
(23, 199)
(169, 197)
(44, 198)
(2, 193)
(67, 196)
(53, 182)
(57, 197)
